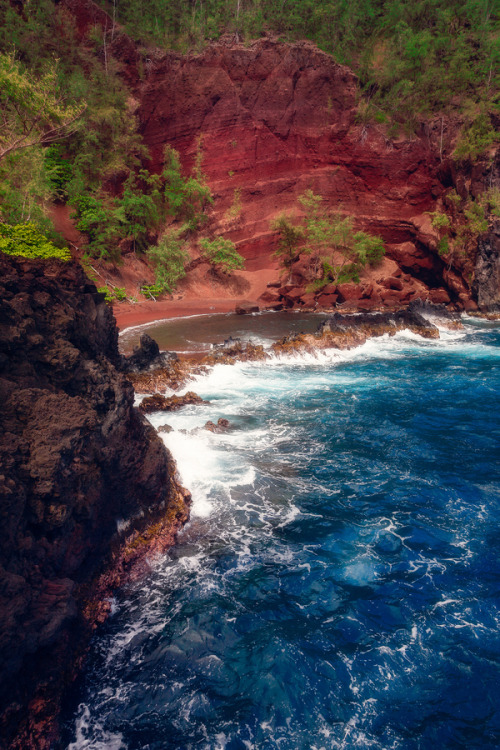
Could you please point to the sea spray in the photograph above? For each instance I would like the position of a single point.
(337, 584)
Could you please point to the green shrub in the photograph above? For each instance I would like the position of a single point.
(443, 246)
(59, 171)
(113, 294)
(476, 219)
(152, 291)
(330, 236)
(28, 241)
(186, 199)
(439, 220)
(168, 258)
(221, 254)
(98, 220)
(476, 138)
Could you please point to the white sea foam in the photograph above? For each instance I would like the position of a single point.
(89, 734)
(244, 484)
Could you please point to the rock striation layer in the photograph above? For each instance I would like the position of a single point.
(77, 462)
(275, 119)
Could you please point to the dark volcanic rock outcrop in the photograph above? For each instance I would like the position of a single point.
(487, 280)
(77, 459)
(349, 331)
(147, 357)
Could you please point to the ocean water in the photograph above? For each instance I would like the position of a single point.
(338, 583)
(197, 333)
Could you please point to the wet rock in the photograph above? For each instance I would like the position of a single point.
(487, 275)
(221, 426)
(76, 458)
(157, 402)
(233, 351)
(165, 428)
(341, 331)
(174, 376)
(437, 314)
(228, 345)
(147, 357)
(246, 308)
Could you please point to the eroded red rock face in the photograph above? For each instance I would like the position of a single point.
(276, 119)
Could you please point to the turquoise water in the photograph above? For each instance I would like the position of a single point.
(338, 584)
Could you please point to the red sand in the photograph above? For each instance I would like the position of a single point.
(197, 300)
(145, 312)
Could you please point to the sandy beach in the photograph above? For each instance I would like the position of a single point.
(198, 299)
(128, 315)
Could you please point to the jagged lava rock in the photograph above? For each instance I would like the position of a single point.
(147, 357)
(157, 402)
(76, 458)
(487, 277)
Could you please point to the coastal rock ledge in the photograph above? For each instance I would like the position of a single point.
(77, 463)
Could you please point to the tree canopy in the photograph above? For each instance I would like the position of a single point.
(32, 109)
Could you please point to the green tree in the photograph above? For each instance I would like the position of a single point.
(338, 251)
(32, 109)
(221, 254)
(290, 238)
(169, 258)
(137, 213)
(186, 198)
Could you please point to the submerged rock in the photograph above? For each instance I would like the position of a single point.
(221, 426)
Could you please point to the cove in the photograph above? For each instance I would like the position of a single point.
(197, 333)
(337, 585)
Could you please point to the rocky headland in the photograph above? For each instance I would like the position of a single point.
(87, 487)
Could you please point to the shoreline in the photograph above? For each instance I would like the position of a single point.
(141, 313)
(130, 316)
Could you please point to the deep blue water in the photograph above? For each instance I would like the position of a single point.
(338, 584)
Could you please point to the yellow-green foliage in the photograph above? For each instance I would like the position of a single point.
(476, 138)
(330, 237)
(31, 107)
(26, 240)
(221, 254)
(439, 220)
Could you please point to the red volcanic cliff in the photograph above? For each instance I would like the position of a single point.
(276, 119)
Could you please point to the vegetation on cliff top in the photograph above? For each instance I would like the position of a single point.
(27, 240)
(70, 134)
(412, 57)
